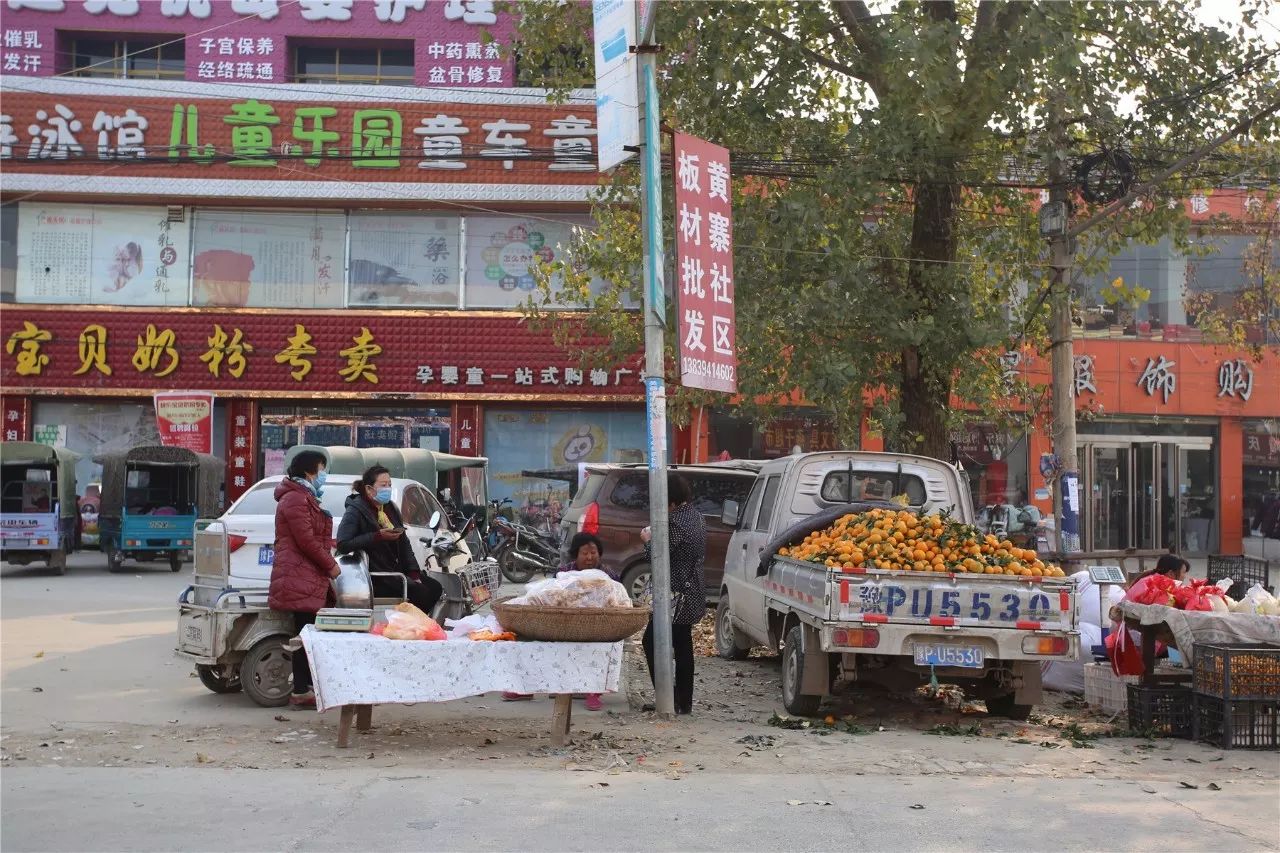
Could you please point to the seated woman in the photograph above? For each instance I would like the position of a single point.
(372, 525)
(585, 551)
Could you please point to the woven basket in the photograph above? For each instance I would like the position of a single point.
(571, 624)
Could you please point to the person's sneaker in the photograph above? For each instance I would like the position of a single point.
(594, 703)
(508, 696)
(303, 700)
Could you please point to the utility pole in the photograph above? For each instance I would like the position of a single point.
(655, 315)
(1055, 221)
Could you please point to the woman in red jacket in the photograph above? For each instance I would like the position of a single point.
(304, 560)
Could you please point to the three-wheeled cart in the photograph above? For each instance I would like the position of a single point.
(38, 507)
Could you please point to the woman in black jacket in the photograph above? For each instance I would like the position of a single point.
(372, 524)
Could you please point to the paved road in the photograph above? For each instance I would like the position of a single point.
(99, 648)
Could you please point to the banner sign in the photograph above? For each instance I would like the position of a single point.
(704, 259)
(185, 419)
(617, 86)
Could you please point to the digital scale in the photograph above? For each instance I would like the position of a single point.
(1103, 577)
(344, 619)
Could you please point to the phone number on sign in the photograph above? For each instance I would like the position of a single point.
(702, 367)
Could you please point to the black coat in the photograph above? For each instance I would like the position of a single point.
(358, 532)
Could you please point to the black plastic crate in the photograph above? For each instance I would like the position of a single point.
(1237, 723)
(1243, 571)
(1238, 671)
(1164, 711)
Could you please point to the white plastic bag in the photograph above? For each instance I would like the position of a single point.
(1260, 602)
(589, 588)
(460, 628)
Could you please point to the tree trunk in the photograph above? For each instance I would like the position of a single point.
(925, 386)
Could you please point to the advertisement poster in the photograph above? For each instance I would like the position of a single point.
(54, 435)
(504, 251)
(522, 440)
(268, 260)
(704, 258)
(100, 255)
(185, 419)
(404, 260)
(272, 463)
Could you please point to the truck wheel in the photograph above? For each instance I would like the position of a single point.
(266, 673)
(1003, 706)
(511, 570)
(212, 678)
(636, 580)
(729, 643)
(800, 704)
(115, 559)
(175, 562)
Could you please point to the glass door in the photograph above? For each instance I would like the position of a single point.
(1111, 492)
(1147, 495)
(1196, 475)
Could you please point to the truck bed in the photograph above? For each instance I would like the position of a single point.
(874, 596)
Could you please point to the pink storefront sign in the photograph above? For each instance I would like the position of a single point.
(704, 259)
(457, 44)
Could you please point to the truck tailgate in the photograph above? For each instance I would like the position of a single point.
(913, 598)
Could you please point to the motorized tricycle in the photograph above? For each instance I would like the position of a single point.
(151, 498)
(38, 511)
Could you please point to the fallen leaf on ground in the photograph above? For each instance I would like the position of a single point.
(808, 802)
(917, 807)
(1189, 786)
(39, 654)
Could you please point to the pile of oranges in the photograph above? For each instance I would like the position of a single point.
(898, 540)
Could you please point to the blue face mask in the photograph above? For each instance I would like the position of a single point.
(383, 496)
(317, 485)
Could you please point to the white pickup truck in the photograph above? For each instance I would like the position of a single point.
(989, 633)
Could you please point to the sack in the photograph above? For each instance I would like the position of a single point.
(406, 622)
(1125, 653)
(588, 588)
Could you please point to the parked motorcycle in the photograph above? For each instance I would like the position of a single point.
(465, 589)
(524, 552)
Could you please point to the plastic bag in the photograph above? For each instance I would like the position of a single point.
(1260, 602)
(1153, 589)
(590, 588)
(1125, 653)
(406, 622)
(458, 629)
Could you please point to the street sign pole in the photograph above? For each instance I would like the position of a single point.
(654, 368)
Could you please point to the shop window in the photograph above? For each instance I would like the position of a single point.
(389, 65)
(137, 58)
(1262, 479)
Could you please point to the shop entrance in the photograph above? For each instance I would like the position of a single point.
(1150, 492)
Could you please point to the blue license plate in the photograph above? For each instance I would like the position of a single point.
(966, 657)
(266, 555)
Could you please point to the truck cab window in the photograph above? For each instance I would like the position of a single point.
(747, 519)
(766, 503)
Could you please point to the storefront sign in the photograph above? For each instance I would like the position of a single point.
(1159, 375)
(810, 434)
(15, 412)
(54, 435)
(1082, 376)
(264, 136)
(456, 43)
(101, 254)
(1235, 378)
(1262, 448)
(254, 352)
(465, 432)
(185, 419)
(242, 447)
(704, 256)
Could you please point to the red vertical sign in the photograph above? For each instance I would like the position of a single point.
(704, 255)
(16, 413)
(242, 447)
(464, 431)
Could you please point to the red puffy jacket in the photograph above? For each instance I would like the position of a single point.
(304, 551)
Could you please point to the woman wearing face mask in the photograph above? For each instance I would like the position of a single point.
(371, 524)
(304, 560)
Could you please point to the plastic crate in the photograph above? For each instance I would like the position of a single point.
(1243, 571)
(1238, 670)
(1104, 689)
(1237, 723)
(1163, 711)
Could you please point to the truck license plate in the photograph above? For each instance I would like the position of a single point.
(966, 657)
(266, 555)
(194, 634)
(16, 543)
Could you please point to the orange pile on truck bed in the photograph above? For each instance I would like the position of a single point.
(899, 540)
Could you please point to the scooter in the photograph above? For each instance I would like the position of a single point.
(525, 552)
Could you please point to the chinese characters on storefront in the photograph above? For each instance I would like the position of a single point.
(256, 351)
(455, 43)
(270, 134)
(242, 446)
(704, 257)
(185, 419)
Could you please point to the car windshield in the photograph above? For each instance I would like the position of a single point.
(262, 501)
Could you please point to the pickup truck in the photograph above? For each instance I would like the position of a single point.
(833, 626)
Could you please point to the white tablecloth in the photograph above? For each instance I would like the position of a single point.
(1195, 626)
(361, 669)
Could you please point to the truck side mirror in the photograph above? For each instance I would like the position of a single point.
(729, 514)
